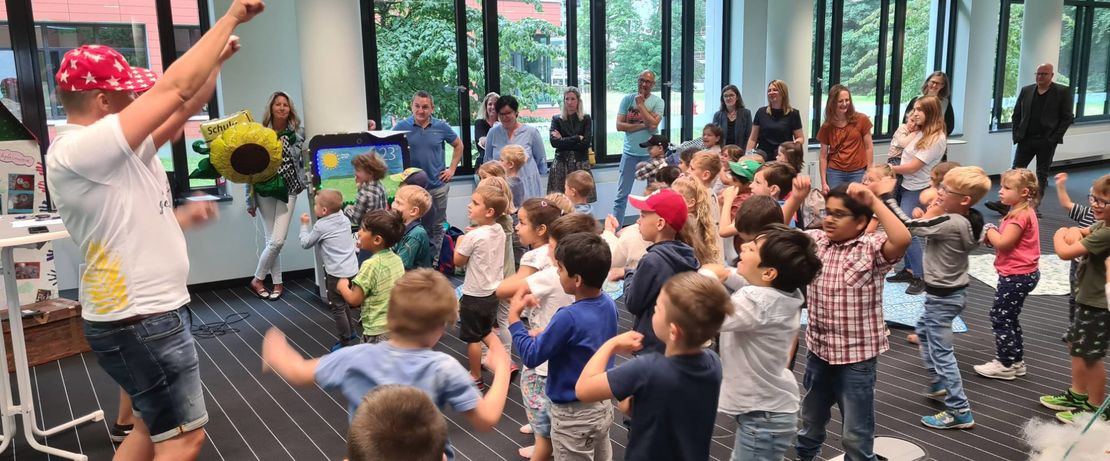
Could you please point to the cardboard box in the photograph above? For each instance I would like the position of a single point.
(53, 332)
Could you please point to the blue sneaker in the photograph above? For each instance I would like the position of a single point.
(936, 390)
(336, 346)
(949, 420)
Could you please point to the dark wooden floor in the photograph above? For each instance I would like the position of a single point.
(256, 416)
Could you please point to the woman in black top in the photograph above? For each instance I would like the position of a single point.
(936, 85)
(776, 122)
(733, 117)
(483, 124)
(571, 136)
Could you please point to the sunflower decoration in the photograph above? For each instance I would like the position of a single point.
(247, 153)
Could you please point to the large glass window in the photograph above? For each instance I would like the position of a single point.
(532, 42)
(9, 89)
(633, 45)
(412, 58)
(1006, 66)
(186, 33)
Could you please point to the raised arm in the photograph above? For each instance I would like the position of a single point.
(185, 78)
(278, 356)
(898, 236)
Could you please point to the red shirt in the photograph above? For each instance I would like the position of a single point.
(846, 299)
(1025, 257)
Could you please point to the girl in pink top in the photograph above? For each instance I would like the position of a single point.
(1018, 244)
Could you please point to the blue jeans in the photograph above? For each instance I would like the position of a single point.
(851, 387)
(913, 259)
(934, 331)
(836, 177)
(763, 435)
(624, 183)
(155, 361)
(435, 217)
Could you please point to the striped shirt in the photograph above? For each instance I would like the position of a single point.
(1082, 215)
(846, 299)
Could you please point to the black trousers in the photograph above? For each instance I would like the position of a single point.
(1041, 149)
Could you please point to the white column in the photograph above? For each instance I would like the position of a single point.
(790, 60)
(1040, 37)
(332, 77)
(749, 51)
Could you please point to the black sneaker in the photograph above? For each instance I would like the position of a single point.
(917, 286)
(117, 433)
(903, 276)
(997, 207)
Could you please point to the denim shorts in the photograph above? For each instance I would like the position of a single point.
(155, 361)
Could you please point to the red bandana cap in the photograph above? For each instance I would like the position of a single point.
(99, 67)
(666, 203)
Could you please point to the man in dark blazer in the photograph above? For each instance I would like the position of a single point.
(1041, 117)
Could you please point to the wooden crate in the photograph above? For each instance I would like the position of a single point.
(53, 332)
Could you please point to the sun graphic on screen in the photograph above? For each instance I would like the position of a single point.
(331, 161)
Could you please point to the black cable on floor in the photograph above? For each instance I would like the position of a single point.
(209, 330)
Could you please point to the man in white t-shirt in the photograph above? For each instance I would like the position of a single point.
(112, 193)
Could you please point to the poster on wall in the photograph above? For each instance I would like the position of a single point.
(332, 154)
(23, 192)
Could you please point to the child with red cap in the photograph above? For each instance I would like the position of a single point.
(114, 198)
(662, 216)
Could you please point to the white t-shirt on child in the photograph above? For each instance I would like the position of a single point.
(537, 259)
(485, 246)
(549, 294)
(117, 206)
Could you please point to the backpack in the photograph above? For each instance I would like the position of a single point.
(446, 263)
(813, 209)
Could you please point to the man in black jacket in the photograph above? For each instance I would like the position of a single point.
(1041, 117)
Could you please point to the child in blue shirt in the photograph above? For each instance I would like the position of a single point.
(572, 336)
(421, 305)
(674, 394)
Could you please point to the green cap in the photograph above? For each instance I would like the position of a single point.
(744, 168)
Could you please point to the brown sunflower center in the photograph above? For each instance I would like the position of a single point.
(249, 159)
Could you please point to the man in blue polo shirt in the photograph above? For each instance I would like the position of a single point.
(426, 136)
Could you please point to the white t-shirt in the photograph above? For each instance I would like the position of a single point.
(930, 156)
(547, 290)
(537, 259)
(118, 208)
(627, 249)
(485, 246)
(755, 340)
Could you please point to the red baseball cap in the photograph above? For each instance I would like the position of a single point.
(99, 67)
(666, 203)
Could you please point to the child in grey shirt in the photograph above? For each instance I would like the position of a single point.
(331, 235)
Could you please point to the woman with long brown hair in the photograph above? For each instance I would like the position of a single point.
(845, 137)
(776, 122)
(924, 143)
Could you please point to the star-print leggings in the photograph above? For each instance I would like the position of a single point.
(1008, 299)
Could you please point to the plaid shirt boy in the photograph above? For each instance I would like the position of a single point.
(371, 196)
(846, 299)
(645, 171)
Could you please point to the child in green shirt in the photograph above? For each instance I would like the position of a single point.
(370, 288)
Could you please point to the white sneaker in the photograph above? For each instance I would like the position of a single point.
(994, 369)
(1019, 368)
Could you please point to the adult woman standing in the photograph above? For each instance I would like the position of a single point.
(776, 122)
(924, 142)
(511, 131)
(483, 124)
(733, 118)
(937, 85)
(277, 208)
(571, 136)
(845, 137)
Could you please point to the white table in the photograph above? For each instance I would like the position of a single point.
(12, 237)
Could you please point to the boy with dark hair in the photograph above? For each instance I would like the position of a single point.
(662, 216)
(773, 178)
(845, 332)
(332, 235)
(421, 306)
(572, 336)
(668, 174)
(755, 216)
(485, 245)
(371, 286)
(397, 422)
(759, 390)
(674, 395)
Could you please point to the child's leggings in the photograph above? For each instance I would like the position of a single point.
(1008, 299)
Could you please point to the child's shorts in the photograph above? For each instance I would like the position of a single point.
(536, 404)
(478, 316)
(375, 339)
(1088, 333)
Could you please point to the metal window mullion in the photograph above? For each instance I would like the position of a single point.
(687, 95)
(462, 61)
